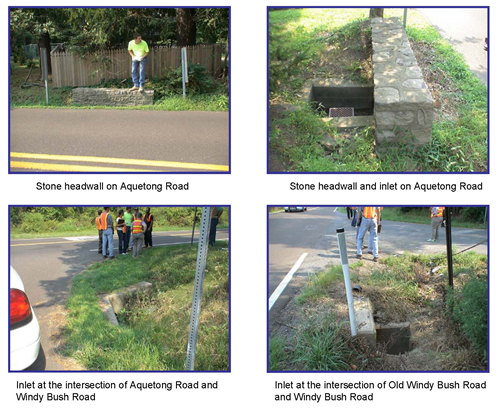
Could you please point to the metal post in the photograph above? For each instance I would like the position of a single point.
(194, 224)
(347, 278)
(404, 17)
(201, 263)
(184, 70)
(449, 250)
(44, 57)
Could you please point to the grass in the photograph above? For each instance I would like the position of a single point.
(34, 97)
(400, 289)
(154, 330)
(297, 42)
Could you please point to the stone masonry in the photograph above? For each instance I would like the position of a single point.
(403, 104)
(112, 97)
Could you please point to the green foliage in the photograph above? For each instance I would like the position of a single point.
(80, 220)
(469, 308)
(277, 352)
(322, 346)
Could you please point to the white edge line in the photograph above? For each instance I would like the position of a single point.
(277, 292)
(171, 244)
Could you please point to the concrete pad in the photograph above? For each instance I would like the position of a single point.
(349, 122)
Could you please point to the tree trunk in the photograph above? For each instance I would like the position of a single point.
(377, 12)
(186, 26)
(44, 42)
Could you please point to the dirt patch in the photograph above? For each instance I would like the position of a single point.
(442, 89)
(57, 321)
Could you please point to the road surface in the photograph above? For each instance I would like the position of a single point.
(47, 267)
(465, 29)
(314, 232)
(106, 140)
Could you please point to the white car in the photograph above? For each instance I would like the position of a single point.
(24, 328)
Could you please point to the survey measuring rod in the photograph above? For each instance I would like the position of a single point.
(347, 278)
(45, 64)
(201, 262)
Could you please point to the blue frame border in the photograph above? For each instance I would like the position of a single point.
(119, 173)
(363, 372)
(377, 173)
(139, 205)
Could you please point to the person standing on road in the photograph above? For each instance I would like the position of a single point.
(138, 227)
(108, 229)
(99, 229)
(214, 221)
(138, 50)
(370, 217)
(127, 216)
(148, 234)
(436, 220)
(134, 218)
(349, 212)
(121, 229)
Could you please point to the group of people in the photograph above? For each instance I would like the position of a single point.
(368, 219)
(135, 231)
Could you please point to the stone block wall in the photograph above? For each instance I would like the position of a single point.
(111, 97)
(403, 103)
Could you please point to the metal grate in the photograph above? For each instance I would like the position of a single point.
(338, 112)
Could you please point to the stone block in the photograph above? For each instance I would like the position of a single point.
(111, 97)
(397, 118)
(386, 95)
(365, 324)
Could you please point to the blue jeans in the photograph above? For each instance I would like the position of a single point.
(371, 226)
(122, 245)
(107, 242)
(141, 67)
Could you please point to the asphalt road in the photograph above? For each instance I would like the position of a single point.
(465, 29)
(73, 136)
(47, 267)
(314, 232)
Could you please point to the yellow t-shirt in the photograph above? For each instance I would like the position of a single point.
(138, 49)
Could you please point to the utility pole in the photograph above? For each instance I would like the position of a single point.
(449, 250)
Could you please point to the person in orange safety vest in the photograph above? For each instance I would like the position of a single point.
(436, 220)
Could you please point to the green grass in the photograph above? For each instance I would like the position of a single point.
(34, 97)
(296, 39)
(154, 330)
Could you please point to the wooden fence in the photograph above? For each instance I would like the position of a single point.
(73, 71)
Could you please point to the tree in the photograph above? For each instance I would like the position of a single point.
(376, 12)
(186, 26)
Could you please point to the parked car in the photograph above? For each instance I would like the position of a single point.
(24, 328)
(295, 209)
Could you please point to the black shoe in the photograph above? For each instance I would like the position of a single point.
(112, 257)
(105, 257)
(99, 252)
(375, 259)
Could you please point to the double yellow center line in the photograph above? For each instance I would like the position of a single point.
(57, 167)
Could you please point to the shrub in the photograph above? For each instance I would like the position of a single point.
(470, 310)
(33, 223)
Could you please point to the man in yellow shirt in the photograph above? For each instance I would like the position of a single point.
(138, 50)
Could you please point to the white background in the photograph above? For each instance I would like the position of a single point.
(248, 189)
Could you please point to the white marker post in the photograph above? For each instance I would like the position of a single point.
(347, 278)
(45, 69)
(201, 263)
(184, 68)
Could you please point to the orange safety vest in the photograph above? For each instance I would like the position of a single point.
(147, 219)
(137, 226)
(104, 221)
(98, 222)
(369, 212)
(439, 212)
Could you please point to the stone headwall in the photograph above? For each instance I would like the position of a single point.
(112, 97)
(403, 104)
